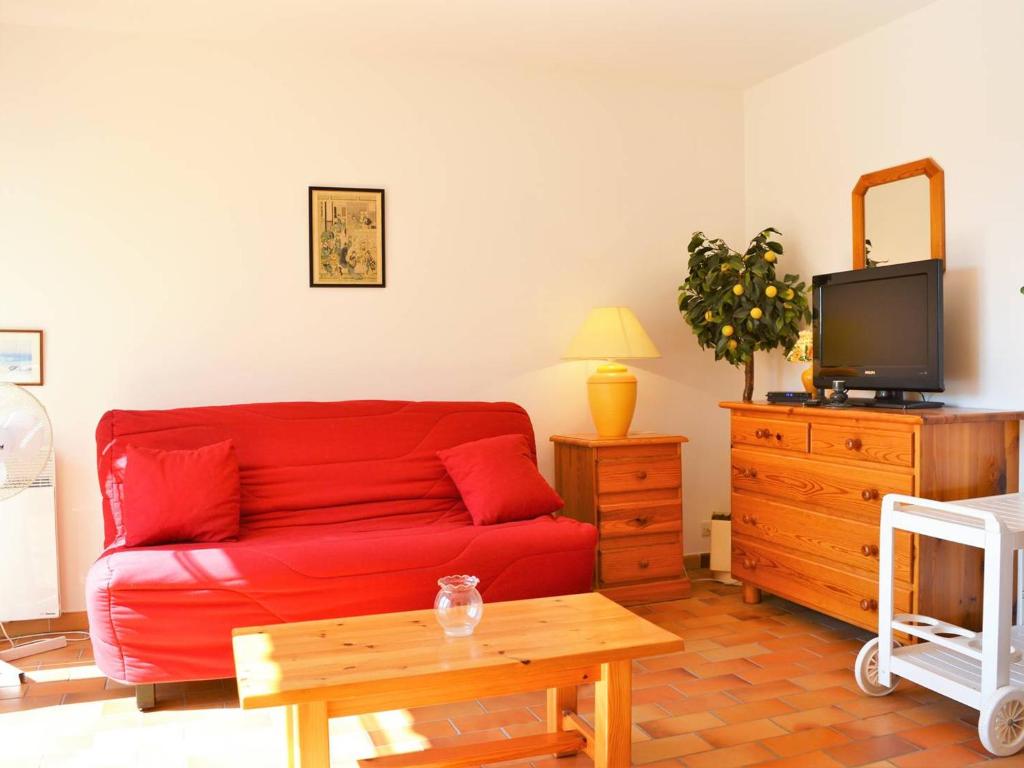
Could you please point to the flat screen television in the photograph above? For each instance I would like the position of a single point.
(880, 329)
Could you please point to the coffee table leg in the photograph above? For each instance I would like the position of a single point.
(560, 700)
(308, 744)
(612, 715)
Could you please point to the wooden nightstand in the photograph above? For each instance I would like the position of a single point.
(631, 489)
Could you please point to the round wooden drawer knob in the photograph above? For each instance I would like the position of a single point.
(641, 475)
(853, 444)
(746, 519)
(751, 473)
(868, 605)
(641, 521)
(869, 494)
(749, 564)
(869, 550)
(645, 564)
(778, 436)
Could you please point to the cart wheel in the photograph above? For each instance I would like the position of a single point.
(866, 670)
(1001, 725)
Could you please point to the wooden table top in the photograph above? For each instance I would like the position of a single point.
(345, 658)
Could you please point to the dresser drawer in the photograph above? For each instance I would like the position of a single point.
(836, 539)
(774, 434)
(616, 520)
(834, 591)
(641, 563)
(833, 487)
(878, 446)
(622, 475)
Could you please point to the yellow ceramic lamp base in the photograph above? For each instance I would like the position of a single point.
(611, 392)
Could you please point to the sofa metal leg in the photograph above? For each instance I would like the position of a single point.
(145, 696)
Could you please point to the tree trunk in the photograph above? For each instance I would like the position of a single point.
(748, 380)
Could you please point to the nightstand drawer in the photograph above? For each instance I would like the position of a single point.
(878, 446)
(641, 563)
(773, 434)
(639, 451)
(623, 475)
(618, 520)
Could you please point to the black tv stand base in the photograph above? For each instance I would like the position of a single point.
(893, 398)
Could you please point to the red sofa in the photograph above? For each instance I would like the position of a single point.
(346, 510)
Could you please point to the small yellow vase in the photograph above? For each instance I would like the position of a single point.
(807, 377)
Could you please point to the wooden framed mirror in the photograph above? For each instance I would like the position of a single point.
(899, 215)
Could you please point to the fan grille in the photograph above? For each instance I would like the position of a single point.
(25, 440)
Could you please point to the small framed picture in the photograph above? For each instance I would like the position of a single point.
(21, 357)
(346, 237)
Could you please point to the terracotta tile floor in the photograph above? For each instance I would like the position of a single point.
(757, 685)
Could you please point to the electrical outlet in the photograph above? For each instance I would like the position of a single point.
(705, 529)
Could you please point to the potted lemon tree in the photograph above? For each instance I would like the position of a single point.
(736, 304)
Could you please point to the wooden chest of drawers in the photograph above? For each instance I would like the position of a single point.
(807, 485)
(631, 489)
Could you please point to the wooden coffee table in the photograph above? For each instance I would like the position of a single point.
(352, 666)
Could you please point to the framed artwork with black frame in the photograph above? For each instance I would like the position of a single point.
(346, 237)
(21, 357)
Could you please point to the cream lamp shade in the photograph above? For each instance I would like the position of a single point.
(611, 333)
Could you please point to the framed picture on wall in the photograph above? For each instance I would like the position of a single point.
(21, 357)
(346, 237)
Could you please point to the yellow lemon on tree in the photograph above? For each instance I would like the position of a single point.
(708, 315)
(733, 344)
(756, 313)
(771, 291)
(727, 330)
(737, 289)
(788, 294)
(770, 257)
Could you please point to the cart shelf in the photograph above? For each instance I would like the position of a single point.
(946, 671)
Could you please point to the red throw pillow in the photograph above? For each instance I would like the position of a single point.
(499, 481)
(178, 496)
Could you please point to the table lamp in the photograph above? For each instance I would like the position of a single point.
(611, 334)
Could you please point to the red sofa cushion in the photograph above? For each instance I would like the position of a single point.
(165, 613)
(498, 480)
(182, 495)
(318, 463)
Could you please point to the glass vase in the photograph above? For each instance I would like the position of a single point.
(458, 606)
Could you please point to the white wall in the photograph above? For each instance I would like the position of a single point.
(153, 221)
(945, 82)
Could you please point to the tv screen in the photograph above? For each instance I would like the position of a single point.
(880, 328)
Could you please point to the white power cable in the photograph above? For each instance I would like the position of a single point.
(14, 644)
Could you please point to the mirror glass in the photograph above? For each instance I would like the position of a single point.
(897, 222)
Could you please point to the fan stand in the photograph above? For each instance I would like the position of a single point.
(11, 675)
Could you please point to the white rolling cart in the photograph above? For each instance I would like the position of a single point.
(983, 670)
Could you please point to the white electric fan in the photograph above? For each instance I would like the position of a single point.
(26, 442)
